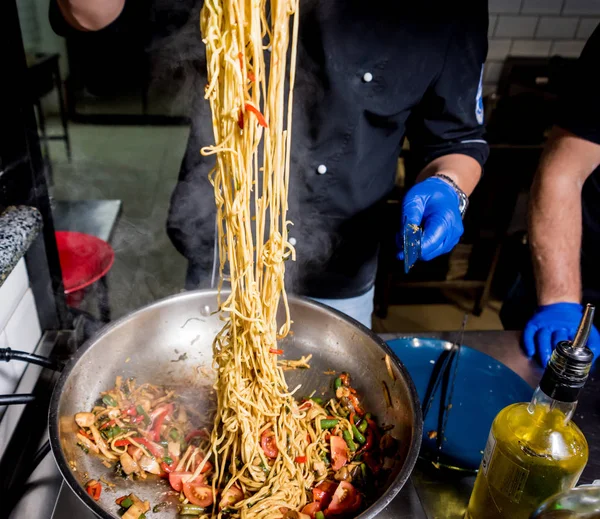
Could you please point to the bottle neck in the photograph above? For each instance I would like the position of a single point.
(541, 402)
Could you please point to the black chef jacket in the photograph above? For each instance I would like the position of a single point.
(580, 114)
(367, 74)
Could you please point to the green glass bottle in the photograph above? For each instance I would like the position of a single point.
(534, 450)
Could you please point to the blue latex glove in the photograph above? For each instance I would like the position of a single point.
(552, 324)
(432, 204)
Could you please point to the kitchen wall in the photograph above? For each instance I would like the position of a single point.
(537, 28)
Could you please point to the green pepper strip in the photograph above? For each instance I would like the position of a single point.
(317, 400)
(141, 411)
(349, 441)
(357, 435)
(188, 509)
(329, 424)
(362, 426)
(109, 400)
(127, 502)
(338, 383)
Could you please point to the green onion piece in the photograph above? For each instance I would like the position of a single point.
(357, 435)
(189, 509)
(127, 502)
(329, 424)
(338, 383)
(157, 508)
(83, 448)
(358, 457)
(264, 468)
(109, 400)
(319, 515)
(362, 426)
(174, 434)
(168, 460)
(363, 470)
(317, 400)
(369, 416)
(349, 441)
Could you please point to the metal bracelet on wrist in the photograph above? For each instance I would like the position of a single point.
(463, 199)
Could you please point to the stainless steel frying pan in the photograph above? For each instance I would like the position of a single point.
(170, 342)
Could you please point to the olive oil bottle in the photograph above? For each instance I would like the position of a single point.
(534, 450)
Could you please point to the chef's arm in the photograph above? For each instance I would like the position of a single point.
(90, 15)
(464, 170)
(555, 216)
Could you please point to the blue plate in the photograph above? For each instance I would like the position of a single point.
(483, 387)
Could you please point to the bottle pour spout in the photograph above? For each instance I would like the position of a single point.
(585, 326)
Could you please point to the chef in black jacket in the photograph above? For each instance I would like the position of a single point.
(368, 74)
(564, 222)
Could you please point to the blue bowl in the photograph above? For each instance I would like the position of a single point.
(482, 388)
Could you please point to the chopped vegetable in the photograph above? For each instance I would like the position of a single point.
(300, 459)
(197, 432)
(269, 444)
(362, 426)
(230, 497)
(276, 352)
(338, 383)
(345, 500)
(174, 434)
(317, 400)
(124, 502)
(109, 401)
(94, 489)
(319, 515)
(339, 452)
(329, 423)
(349, 441)
(261, 118)
(357, 435)
(198, 494)
(189, 509)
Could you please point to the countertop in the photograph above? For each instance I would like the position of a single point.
(19, 226)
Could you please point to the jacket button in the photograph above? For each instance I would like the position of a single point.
(292, 241)
(367, 77)
(322, 169)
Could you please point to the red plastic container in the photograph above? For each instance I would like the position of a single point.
(84, 259)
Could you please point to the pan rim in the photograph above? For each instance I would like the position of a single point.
(378, 506)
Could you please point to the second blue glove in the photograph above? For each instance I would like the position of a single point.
(434, 205)
(552, 324)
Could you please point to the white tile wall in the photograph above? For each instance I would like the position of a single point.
(570, 49)
(542, 6)
(587, 27)
(556, 27)
(582, 7)
(537, 28)
(12, 291)
(19, 324)
(511, 26)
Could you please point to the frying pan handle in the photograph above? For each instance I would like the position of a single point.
(7, 355)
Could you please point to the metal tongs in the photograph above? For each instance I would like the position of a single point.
(442, 375)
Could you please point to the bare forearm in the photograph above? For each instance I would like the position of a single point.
(555, 216)
(462, 169)
(90, 15)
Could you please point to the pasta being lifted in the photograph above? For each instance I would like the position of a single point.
(259, 431)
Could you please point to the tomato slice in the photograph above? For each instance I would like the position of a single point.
(323, 492)
(230, 497)
(198, 494)
(175, 479)
(344, 500)
(269, 444)
(339, 452)
(312, 508)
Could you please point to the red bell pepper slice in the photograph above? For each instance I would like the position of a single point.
(195, 433)
(94, 489)
(122, 443)
(156, 450)
(261, 118)
(300, 459)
